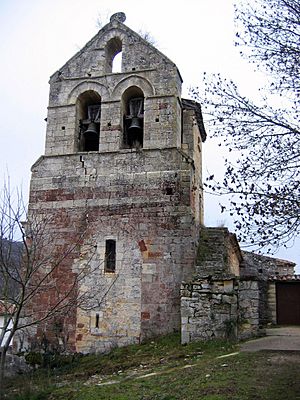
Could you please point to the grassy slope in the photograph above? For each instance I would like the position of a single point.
(183, 372)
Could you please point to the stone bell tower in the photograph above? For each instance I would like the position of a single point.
(122, 166)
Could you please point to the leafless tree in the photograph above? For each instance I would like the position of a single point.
(263, 135)
(33, 265)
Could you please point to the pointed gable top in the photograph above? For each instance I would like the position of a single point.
(114, 37)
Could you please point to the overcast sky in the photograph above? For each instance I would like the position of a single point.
(39, 36)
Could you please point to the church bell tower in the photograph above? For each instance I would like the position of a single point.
(122, 167)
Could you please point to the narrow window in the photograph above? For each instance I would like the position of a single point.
(97, 321)
(110, 256)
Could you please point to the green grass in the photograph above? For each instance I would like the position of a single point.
(183, 372)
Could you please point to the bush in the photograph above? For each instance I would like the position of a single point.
(50, 360)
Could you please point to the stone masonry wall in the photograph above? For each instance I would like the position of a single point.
(209, 310)
(223, 308)
(264, 267)
(272, 303)
(143, 67)
(146, 210)
(147, 199)
(216, 302)
(248, 309)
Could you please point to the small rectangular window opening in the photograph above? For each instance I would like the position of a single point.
(97, 321)
(110, 256)
(169, 191)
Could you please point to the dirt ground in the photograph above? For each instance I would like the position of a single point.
(278, 339)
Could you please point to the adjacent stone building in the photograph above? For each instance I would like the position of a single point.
(233, 294)
(122, 166)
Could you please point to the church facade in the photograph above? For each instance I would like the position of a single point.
(122, 169)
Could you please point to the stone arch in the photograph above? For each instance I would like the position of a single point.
(133, 80)
(85, 87)
(106, 37)
(113, 48)
(88, 118)
(132, 117)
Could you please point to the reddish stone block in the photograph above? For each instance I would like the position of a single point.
(163, 106)
(154, 254)
(145, 315)
(142, 246)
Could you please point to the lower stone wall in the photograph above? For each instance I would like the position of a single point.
(209, 309)
(230, 294)
(222, 308)
(249, 304)
(272, 303)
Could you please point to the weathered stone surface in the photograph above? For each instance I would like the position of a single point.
(219, 301)
(218, 253)
(146, 198)
(263, 267)
(212, 314)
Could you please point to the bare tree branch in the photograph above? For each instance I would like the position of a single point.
(262, 179)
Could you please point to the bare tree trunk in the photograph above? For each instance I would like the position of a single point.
(2, 369)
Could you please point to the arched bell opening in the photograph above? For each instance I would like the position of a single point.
(88, 116)
(113, 55)
(133, 118)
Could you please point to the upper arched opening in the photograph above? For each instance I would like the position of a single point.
(113, 54)
(133, 117)
(88, 110)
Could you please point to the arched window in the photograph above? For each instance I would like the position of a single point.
(133, 118)
(113, 54)
(88, 117)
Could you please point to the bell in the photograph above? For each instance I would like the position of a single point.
(91, 130)
(135, 124)
(91, 138)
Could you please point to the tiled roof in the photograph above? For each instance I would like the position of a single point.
(285, 278)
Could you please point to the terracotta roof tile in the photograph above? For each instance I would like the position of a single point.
(285, 278)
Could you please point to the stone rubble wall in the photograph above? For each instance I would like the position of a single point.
(208, 310)
(248, 309)
(216, 308)
(217, 302)
(272, 303)
(264, 267)
(218, 252)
